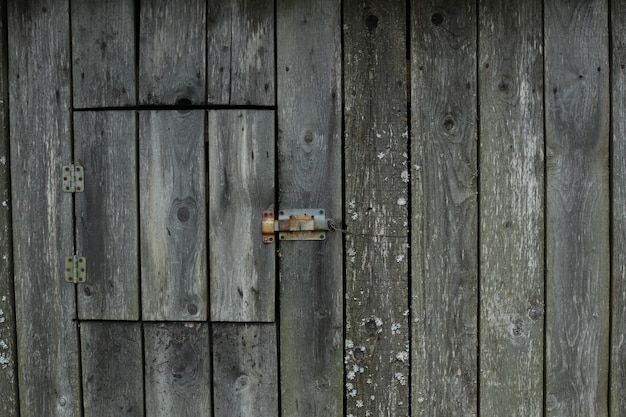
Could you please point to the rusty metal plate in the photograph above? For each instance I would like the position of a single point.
(302, 224)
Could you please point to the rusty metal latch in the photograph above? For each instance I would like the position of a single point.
(296, 224)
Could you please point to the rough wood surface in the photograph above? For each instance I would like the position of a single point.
(107, 215)
(577, 208)
(376, 193)
(103, 53)
(241, 184)
(245, 370)
(112, 369)
(310, 176)
(178, 369)
(172, 188)
(172, 48)
(39, 74)
(9, 406)
(511, 209)
(444, 208)
(240, 50)
(618, 182)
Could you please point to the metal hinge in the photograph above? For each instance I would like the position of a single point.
(75, 269)
(73, 179)
(296, 224)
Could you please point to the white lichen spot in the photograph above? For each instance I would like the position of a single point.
(4, 360)
(349, 344)
(372, 397)
(378, 135)
(3, 160)
(405, 155)
(352, 393)
(1, 312)
(420, 399)
(405, 175)
(359, 403)
(417, 167)
(401, 378)
(361, 370)
(349, 386)
(354, 216)
(368, 381)
(405, 134)
(378, 321)
(350, 415)
(381, 155)
(350, 375)
(395, 328)
(362, 348)
(406, 313)
(401, 201)
(402, 356)
(4, 297)
(3, 344)
(368, 413)
(399, 258)
(5, 204)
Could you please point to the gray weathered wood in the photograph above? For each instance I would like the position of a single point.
(178, 369)
(106, 215)
(241, 184)
(309, 135)
(172, 188)
(376, 193)
(245, 370)
(103, 53)
(444, 208)
(172, 48)
(577, 208)
(511, 209)
(39, 77)
(9, 406)
(112, 366)
(240, 50)
(618, 181)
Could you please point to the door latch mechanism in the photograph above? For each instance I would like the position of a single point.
(296, 224)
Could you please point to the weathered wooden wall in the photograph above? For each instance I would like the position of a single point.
(471, 152)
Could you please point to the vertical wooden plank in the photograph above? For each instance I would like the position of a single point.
(172, 221)
(112, 369)
(309, 135)
(241, 184)
(107, 215)
(618, 182)
(103, 53)
(178, 369)
(376, 192)
(511, 208)
(240, 46)
(245, 366)
(172, 48)
(444, 208)
(39, 80)
(9, 406)
(577, 199)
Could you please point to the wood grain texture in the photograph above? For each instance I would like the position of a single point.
(172, 52)
(245, 370)
(444, 208)
(112, 369)
(178, 369)
(103, 53)
(376, 192)
(107, 231)
(511, 209)
(173, 215)
(618, 190)
(241, 184)
(309, 136)
(9, 402)
(39, 79)
(240, 50)
(577, 208)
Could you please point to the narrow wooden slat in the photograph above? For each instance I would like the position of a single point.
(103, 53)
(309, 135)
(444, 208)
(245, 366)
(172, 47)
(240, 45)
(39, 80)
(376, 193)
(618, 182)
(511, 209)
(107, 215)
(577, 200)
(172, 217)
(9, 405)
(112, 369)
(178, 369)
(241, 184)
